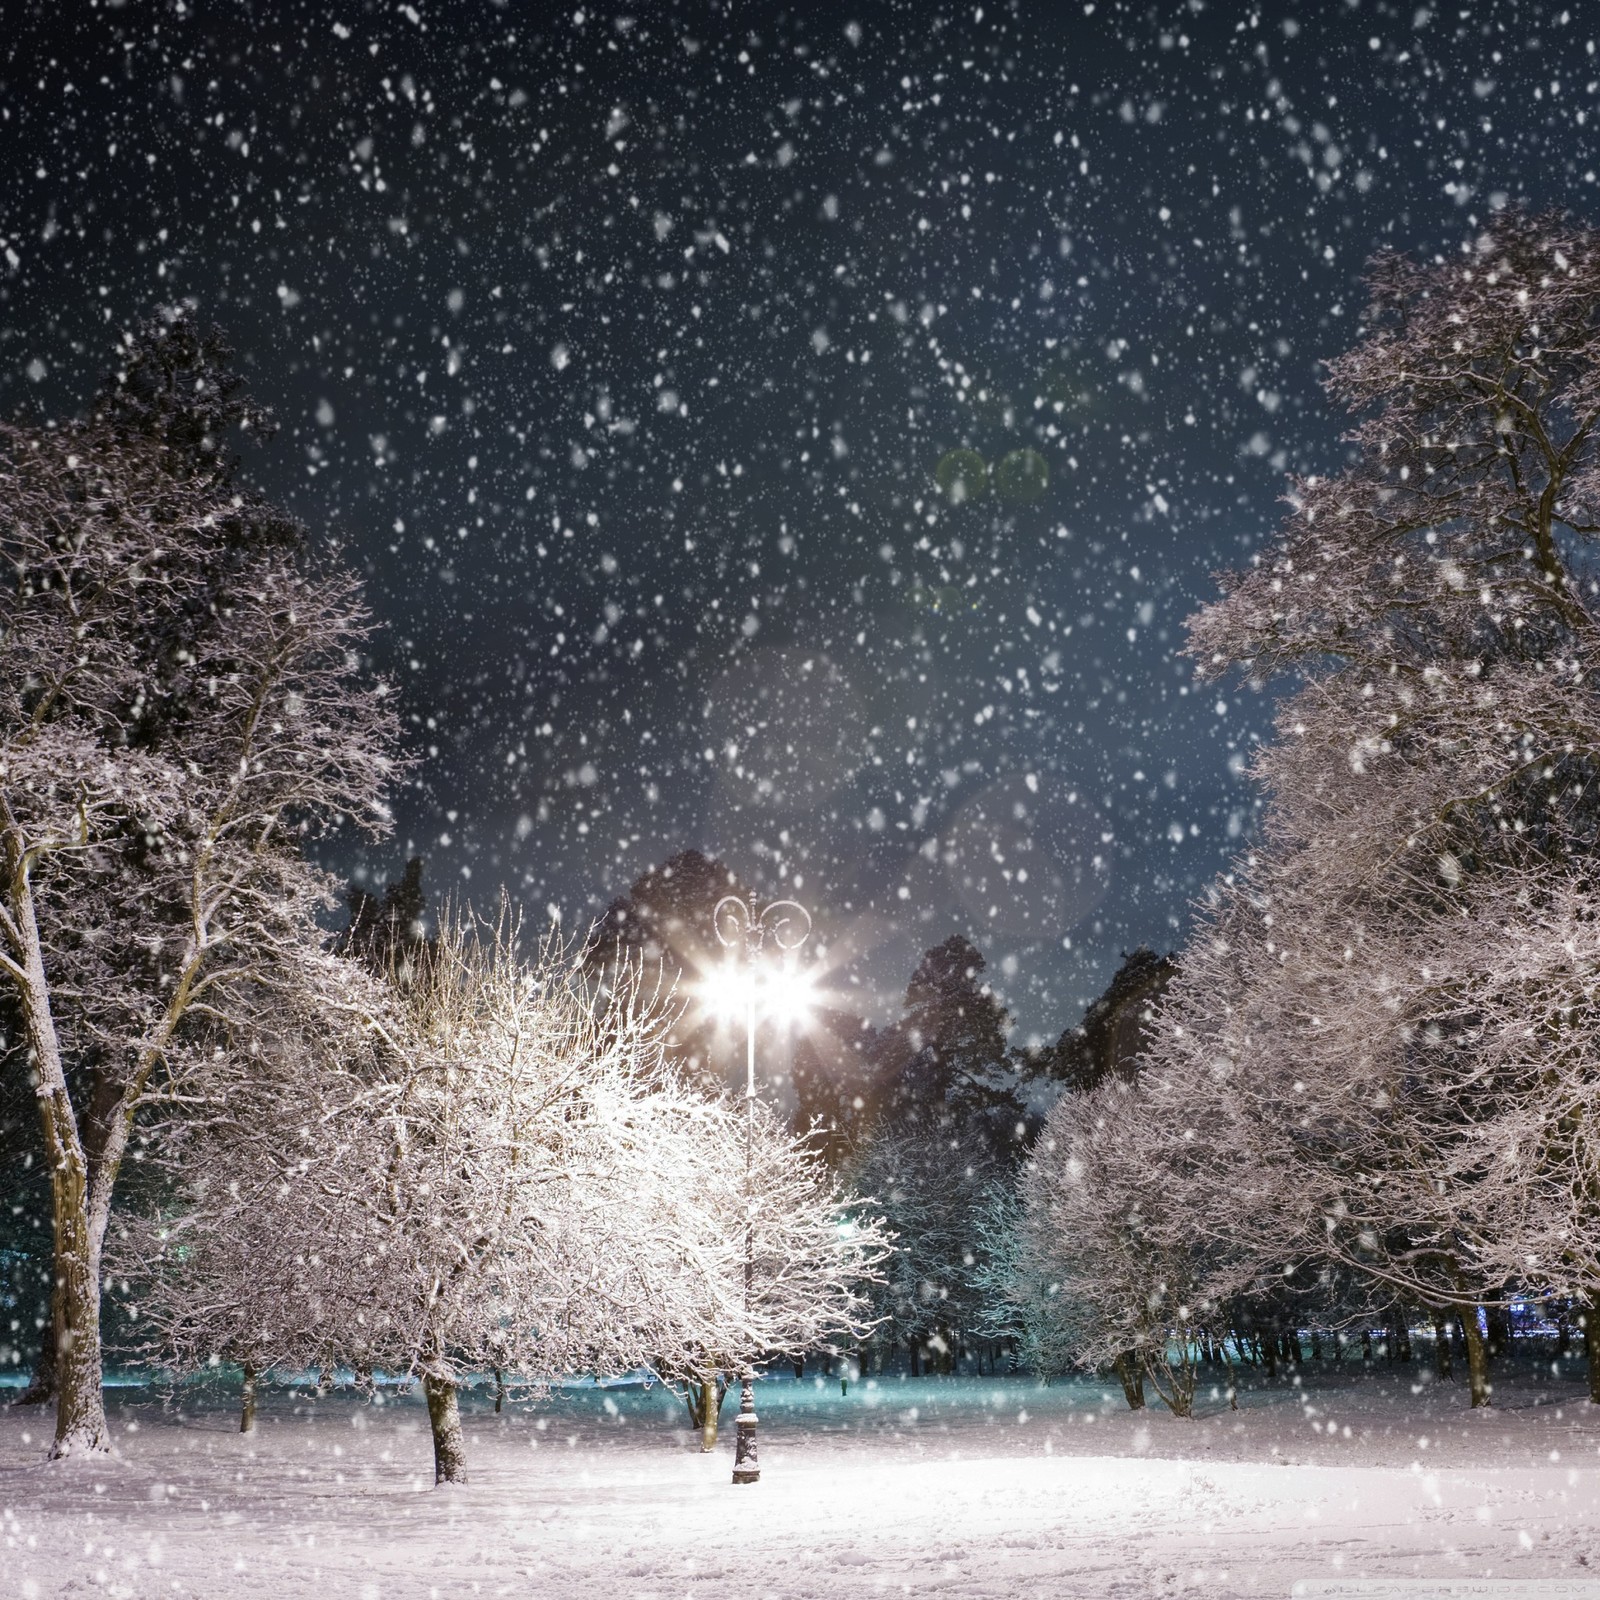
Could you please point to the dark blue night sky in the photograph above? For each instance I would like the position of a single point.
(622, 346)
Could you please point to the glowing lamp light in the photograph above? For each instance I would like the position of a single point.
(788, 998)
(785, 997)
(723, 992)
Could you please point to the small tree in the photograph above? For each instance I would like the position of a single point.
(243, 1252)
(935, 1192)
(1129, 1284)
(814, 1252)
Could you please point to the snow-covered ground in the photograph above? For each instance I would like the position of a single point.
(964, 1487)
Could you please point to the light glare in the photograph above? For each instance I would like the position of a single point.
(785, 997)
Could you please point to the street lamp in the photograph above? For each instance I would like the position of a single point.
(739, 924)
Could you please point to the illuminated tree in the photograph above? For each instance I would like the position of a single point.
(477, 1169)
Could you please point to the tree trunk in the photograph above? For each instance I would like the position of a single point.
(444, 1417)
(1268, 1353)
(75, 1306)
(42, 1380)
(914, 1372)
(1498, 1319)
(1177, 1392)
(705, 1408)
(83, 1170)
(1477, 1357)
(499, 1390)
(1443, 1366)
(1590, 1318)
(1132, 1378)
(75, 1295)
(247, 1405)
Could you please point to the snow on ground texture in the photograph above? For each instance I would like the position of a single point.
(964, 1487)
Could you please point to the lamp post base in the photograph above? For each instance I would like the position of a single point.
(745, 1467)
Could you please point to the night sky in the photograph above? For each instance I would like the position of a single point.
(621, 346)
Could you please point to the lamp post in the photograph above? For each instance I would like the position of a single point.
(740, 924)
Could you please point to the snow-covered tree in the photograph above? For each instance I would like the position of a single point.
(243, 1250)
(1013, 1296)
(1383, 1025)
(935, 1193)
(181, 704)
(1111, 1271)
(933, 1129)
(502, 1175)
(816, 1252)
(1401, 1089)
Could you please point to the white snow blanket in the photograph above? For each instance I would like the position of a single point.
(959, 1487)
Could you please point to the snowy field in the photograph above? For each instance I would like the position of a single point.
(976, 1487)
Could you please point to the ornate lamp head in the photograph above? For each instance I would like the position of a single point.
(739, 921)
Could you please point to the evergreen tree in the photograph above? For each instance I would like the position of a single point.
(389, 932)
(666, 913)
(837, 1090)
(664, 925)
(1115, 1028)
(945, 1067)
(174, 385)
